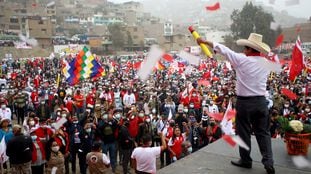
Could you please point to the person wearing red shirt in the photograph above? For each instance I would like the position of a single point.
(38, 153)
(35, 98)
(37, 81)
(62, 139)
(90, 101)
(78, 98)
(175, 142)
(195, 100)
(69, 105)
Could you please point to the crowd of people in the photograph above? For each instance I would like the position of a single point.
(107, 117)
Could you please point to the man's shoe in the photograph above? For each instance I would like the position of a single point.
(270, 169)
(240, 163)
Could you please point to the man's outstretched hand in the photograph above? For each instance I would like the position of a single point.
(200, 40)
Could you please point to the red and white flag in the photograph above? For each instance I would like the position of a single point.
(3, 156)
(226, 123)
(297, 61)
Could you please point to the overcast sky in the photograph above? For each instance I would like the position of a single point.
(300, 10)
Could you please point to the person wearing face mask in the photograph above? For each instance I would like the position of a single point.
(182, 117)
(129, 99)
(69, 105)
(28, 124)
(306, 116)
(212, 107)
(144, 157)
(74, 128)
(35, 98)
(186, 149)
(5, 112)
(213, 131)
(169, 106)
(38, 153)
(286, 110)
(144, 128)
(43, 110)
(5, 130)
(55, 159)
(195, 102)
(126, 143)
(19, 150)
(87, 137)
(20, 101)
(62, 139)
(106, 130)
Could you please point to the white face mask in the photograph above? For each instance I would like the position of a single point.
(286, 105)
(31, 123)
(55, 148)
(64, 115)
(189, 149)
(307, 110)
(148, 120)
(185, 110)
(141, 115)
(3, 106)
(118, 116)
(191, 106)
(154, 111)
(105, 117)
(88, 130)
(34, 137)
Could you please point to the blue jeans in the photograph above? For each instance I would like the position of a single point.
(111, 147)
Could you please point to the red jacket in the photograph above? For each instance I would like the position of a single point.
(196, 101)
(176, 148)
(35, 152)
(133, 127)
(63, 142)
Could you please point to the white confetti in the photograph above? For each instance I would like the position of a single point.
(237, 139)
(300, 162)
(153, 57)
(194, 60)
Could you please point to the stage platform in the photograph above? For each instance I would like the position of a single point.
(215, 159)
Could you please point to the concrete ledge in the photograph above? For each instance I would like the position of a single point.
(216, 157)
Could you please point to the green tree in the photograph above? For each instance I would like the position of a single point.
(117, 36)
(253, 19)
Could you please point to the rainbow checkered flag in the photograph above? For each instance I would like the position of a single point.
(84, 66)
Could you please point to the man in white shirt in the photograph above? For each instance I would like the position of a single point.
(212, 108)
(5, 112)
(129, 99)
(251, 105)
(144, 158)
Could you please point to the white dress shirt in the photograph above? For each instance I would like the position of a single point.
(129, 99)
(251, 77)
(5, 113)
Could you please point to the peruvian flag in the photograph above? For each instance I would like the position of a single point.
(297, 61)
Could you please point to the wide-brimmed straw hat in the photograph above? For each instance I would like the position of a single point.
(255, 41)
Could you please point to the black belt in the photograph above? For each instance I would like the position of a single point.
(249, 97)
